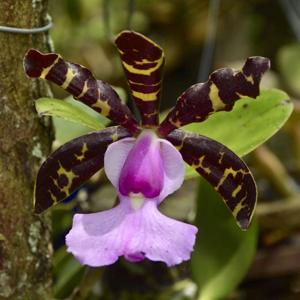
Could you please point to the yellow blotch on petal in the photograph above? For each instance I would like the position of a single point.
(217, 103)
(84, 149)
(47, 70)
(236, 190)
(84, 90)
(147, 72)
(249, 79)
(53, 198)
(145, 96)
(103, 105)
(70, 177)
(238, 208)
(69, 76)
(200, 165)
(230, 171)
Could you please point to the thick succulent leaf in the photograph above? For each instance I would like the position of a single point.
(142, 61)
(252, 122)
(220, 92)
(71, 165)
(70, 110)
(223, 169)
(82, 84)
(223, 253)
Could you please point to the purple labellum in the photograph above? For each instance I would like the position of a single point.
(143, 169)
(99, 239)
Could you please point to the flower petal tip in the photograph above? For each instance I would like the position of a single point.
(92, 242)
(244, 224)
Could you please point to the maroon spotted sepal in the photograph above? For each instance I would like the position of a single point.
(71, 165)
(223, 169)
(224, 87)
(142, 61)
(81, 83)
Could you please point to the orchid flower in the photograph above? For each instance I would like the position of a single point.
(143, 160)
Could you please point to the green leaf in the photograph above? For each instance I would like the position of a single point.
(248, 125)
(71, 110)
(68, 273)
(66, 130)
(65, 114)
(223, 253)
(289, 66)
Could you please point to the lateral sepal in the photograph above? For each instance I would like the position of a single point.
(223, 169)
(71, 165)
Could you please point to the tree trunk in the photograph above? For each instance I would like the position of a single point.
(25, 241)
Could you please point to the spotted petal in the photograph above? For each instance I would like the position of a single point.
(143, 61)
(223, 169)
(71, 165)
(81, 83)
(224, 87)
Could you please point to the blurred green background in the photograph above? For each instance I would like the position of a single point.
(264, 263)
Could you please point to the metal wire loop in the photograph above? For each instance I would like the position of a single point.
(26, 30)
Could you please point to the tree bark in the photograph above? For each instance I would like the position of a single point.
(25, 241)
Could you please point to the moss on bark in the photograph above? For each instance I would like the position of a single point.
(25, 247)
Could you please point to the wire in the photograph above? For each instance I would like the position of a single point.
(26, 30)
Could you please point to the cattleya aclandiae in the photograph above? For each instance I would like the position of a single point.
(144, 161)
